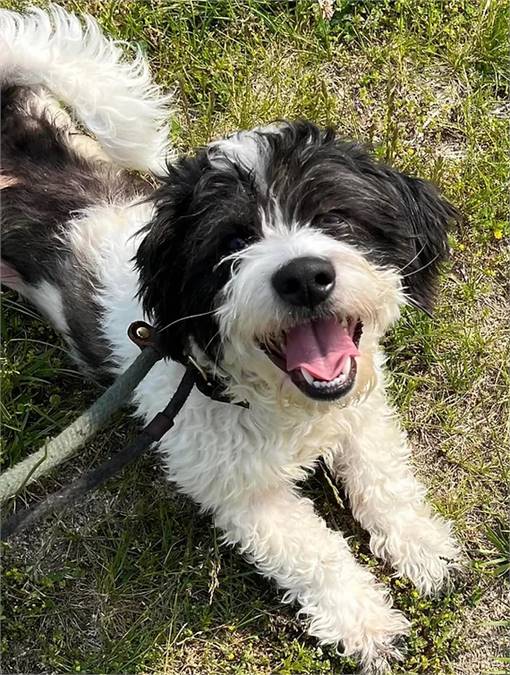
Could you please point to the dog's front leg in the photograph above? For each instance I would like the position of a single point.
(283, 536)
(390, 503)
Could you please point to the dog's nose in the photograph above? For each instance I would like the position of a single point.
(305, 282)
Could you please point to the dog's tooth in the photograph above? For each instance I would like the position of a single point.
(322, 384)
(307, 376)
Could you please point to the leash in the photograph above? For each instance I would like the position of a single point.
(151, 434)
(64, 445)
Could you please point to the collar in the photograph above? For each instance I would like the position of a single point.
(212, 387)
(144, 335)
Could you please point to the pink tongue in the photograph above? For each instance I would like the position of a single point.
(321, 347)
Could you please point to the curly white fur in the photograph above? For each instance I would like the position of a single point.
(240, 464)
(112, 95)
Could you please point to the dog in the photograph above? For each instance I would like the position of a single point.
(276, 259)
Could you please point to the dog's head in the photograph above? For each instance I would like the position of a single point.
(279, 257)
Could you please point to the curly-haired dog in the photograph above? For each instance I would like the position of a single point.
(277, 259)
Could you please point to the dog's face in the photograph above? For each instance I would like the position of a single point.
(280, 256)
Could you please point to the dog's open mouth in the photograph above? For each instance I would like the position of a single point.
(319, 356)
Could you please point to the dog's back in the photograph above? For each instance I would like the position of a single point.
(50, 174)
(52, 171)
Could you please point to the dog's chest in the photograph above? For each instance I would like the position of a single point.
(217, 450)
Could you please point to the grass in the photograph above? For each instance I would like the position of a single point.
(134, 580)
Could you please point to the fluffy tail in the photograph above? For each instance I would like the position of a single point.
(112, 95)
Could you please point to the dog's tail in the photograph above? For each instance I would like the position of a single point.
(111, 95)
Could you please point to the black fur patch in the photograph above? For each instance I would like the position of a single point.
(334, 185)
(51, 183)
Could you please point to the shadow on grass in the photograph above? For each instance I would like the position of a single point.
(135, 580)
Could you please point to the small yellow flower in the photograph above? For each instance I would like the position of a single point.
(498, 233)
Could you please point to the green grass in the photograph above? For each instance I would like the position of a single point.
(134, 580)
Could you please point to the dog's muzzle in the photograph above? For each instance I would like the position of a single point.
(318, 353)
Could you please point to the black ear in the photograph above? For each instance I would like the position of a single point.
(157, 285)
(428, 217)
(160, 260)
(177, 258)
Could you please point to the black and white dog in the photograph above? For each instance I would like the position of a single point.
(276, 258)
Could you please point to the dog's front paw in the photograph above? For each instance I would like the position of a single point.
(425, 553)
(364, 626)
(434, 571)
(380, 641)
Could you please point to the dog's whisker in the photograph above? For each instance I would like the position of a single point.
(215, 365)
(413, 259)
(211, 341)
(186, 318)
(414, 303)
(420, 269)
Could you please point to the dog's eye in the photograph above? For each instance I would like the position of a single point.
(236, 244)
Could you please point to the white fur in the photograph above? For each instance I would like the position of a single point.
(112, 95)
(241, 464)
(49, 299)
(244, 148)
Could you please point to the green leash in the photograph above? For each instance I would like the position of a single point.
(64, 446)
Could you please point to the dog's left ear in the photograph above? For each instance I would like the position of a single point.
(428, 217)
(160, 261)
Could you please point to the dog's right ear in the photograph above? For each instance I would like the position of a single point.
(427, 219)
(160, 259)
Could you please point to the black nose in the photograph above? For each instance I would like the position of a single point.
(305, 282)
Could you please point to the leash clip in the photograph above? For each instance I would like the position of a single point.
(143, 335)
